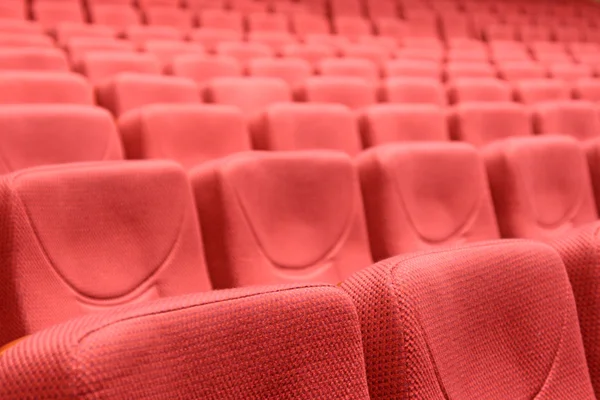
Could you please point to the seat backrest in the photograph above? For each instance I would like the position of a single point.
(412, 69)
(170, 131)
(201, 69)
(579, 119)
(275, 217)
(303, 24)
(312, 53)
(221, 19)
(68, 30)
(169, 16)
(118, 16)
(389, 123)
(532, 91)
(98, 66)
(24, 87)
(520, 70)
(351, 27)
(140, 34)
(466, 69)
(481, 90)
(33, 59)
(114, 233)
(426, 323)
(77, 47)
(34, 135)
(21, 40)
(349, 67)
(292, 70)
(211, 37)
(587, 90)
(250, 94)
(484, 123)
(541, 186)
(413, 90)
(51, 13)
(423, 195)
(570, 72)
(128, 91)
(198, 334)
(267, 22)
(307, 126)
(244, 51)
(354, 93)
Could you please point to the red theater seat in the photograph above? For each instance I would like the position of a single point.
(118, 233)
(579, 119)
(354, 93)
(128, 91)
(389, 27)
(349, 67)
(250, 94)
(478, 90)
(67, 31)
(518, 70)
(412, 69)
(276, 41)
(35, 135)
(425, 195)
(541, 186)
(587, 89)
(246, 201)
(313, 53)
(303, 24)
(459, 69)
(481, 311)
(498, 31)
(381, 9)
(532, 91)
(483, 123)
(292, 70)
(16, 10)
(167, 50)
(570, 72)
(307, 126)
(25, 40)
(169, 16)
(351, 27)
(51, 13)
(321, 322)
(389, 123)
(345, 8)
(140, 34)
(266, 22)
(33, 59)
(413, 90)
(202, 69)
(98, 66)
(171, 131)
(243, 51)
(78, 47)
(211, 37)
(221, 19)
(118, 16)
(20, 26)
(28, 87)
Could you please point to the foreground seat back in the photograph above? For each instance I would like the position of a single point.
(34, 135)
(273, 217)
(27, 87)
(84, 238)
(579, 119)
(196, 340)
(500, 313)
(541, 186)
(423, 195)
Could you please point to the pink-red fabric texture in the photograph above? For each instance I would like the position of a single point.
(489, 321)
(276, 217)
(284, 343)
(423, 195)
(86, 237)
(580, 251)
(187, 133)
(34, 135)
(541, 186)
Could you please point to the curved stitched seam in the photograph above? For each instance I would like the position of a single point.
(558, 347)
(142, 283)
(567, 216)
(344, 233)
(460, 229)
(441, 251)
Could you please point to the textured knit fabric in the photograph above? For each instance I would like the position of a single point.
(495, 320)
(86, 237)
(266, 343)
(580, 252)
